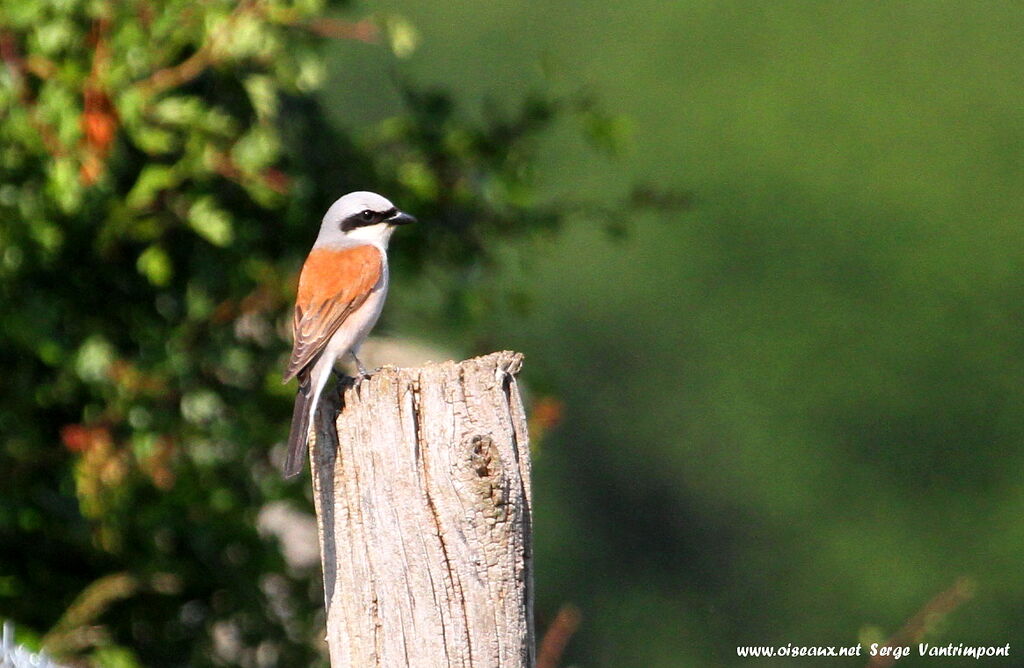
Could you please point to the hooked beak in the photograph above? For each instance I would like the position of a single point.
(400, 218)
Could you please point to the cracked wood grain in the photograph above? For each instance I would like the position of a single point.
(422, 489)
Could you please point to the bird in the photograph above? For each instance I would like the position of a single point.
(341, 291)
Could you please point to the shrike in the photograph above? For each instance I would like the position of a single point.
(342, 288)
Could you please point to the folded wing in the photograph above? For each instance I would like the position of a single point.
(333, 284)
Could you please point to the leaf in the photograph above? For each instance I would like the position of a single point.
(403, 38)
(112, 656)
(418, 178)
(611, 134)
(180, 110)
(201, 406)
(263, 95)
(248, 36)
(64, 186)
(49, 236)
(210, 222)
(154, 140)
(54, 36)
(155, 265)
(257, 149)
(151, 182)
(93, 359)
(310, 74)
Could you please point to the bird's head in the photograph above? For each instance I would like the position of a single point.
(362, 217)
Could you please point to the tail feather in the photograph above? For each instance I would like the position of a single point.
(298, 437)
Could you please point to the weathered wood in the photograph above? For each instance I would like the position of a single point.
(422, 491)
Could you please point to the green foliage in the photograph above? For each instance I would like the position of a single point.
(163, 170)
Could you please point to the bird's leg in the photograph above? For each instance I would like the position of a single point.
(363, 373)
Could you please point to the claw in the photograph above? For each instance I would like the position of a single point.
(363, 373)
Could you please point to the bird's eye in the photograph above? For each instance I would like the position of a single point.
(367, 215)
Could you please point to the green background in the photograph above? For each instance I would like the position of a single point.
(793, 411)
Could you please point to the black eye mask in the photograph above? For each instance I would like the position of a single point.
(366, 217)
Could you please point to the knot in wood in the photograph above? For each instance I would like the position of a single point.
(483, 455)
(485, 461)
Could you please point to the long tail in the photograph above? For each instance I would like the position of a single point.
(299, 435)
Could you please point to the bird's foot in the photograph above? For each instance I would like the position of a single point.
(363, 373)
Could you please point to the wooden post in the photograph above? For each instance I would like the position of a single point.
(422, 492)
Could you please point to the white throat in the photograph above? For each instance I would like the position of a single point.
(378, 234)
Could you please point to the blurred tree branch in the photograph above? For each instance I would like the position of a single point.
(205, 56)
(933, 612)
(18, 67)
(559, 633)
